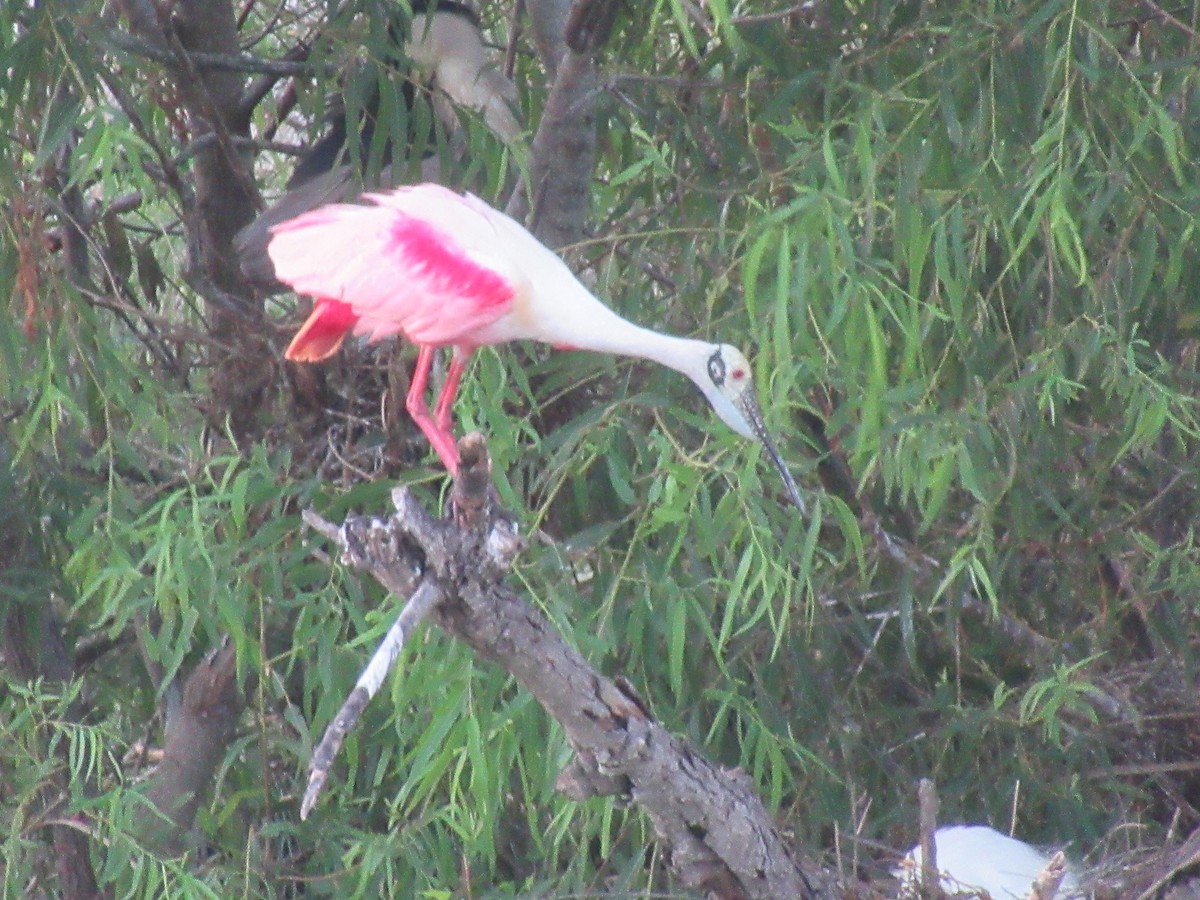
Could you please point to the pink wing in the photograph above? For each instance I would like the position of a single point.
(423, 261)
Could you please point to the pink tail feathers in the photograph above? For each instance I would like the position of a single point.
(322, 334)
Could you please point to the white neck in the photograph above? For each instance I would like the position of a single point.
(576, 319)
(607, 332)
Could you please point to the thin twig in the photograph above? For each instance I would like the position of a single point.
(755, 19)
(417, 608)
(1183, 857)
(927, 801)
(514, 37)
(214, 62)
(1161, 13)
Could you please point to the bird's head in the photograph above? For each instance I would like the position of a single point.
(728, 387)
(727, 384)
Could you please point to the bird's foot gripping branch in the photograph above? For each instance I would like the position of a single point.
(710, 820)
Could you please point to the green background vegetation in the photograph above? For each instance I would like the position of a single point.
(960, 234)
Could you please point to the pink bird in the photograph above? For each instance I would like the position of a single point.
(445, 269)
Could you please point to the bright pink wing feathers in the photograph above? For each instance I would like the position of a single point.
(423, 261)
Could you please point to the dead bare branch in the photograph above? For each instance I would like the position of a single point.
(719, 837)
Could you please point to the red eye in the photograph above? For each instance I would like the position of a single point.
(739, 374)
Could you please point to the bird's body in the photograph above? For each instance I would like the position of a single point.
(976, 858)
(444, 269)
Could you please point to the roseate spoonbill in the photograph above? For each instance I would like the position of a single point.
(447, 46)
(446, 269)
(976, 858)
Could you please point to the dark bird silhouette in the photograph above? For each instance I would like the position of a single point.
(445, 48)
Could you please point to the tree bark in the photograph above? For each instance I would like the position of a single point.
(224, 200)
(198, 733)
(563, 153)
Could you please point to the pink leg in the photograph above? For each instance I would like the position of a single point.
(444, 408)
(443, 442)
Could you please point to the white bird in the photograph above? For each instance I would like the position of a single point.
(448, 43)
(978, 860)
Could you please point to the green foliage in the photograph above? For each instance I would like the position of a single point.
(961, 235)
